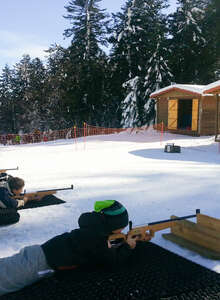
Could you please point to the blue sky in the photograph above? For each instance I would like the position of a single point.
(31, 26)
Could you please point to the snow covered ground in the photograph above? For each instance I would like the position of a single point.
(131, 168)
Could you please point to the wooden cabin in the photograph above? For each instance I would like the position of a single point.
(186, 109)
(214, 89)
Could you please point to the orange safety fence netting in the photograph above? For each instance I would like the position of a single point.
(69, 133)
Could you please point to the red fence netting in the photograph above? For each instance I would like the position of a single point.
(71, 133)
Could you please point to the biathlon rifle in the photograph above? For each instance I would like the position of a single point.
(5, 170)
(146, 232)
(40, 194)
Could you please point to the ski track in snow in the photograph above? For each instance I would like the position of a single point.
(129, 167)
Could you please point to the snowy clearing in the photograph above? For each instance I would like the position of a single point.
(131, 168)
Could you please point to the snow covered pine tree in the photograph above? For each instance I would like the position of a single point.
(139, 44)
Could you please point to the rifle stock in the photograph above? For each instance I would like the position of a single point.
(148, 230)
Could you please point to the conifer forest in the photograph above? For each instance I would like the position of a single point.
(112, 65)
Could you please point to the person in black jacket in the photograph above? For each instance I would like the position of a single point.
(8, 192)
(87, 244)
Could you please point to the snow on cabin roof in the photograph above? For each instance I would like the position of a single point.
(194, 89)
(212, 87)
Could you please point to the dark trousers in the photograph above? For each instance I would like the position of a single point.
(8, 216)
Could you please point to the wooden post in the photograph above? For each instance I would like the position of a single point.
(84, 133)
(161, 134)
(217, 116)
(200, 115)
(157, 110)
(75, 137)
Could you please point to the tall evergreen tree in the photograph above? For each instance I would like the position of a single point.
(212, 26)
(7, 117)
(23, 106)
(85, 70)
(28, 93)
(55, 91)
(191, 43)
(158, 74)
(137, 45)
(39, 112)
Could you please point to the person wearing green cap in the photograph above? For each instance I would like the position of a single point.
(85, 245)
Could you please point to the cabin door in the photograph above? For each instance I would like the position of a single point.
(195, 112)
(172, 114)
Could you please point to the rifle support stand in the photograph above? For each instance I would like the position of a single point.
(171, 148)
(202, 237)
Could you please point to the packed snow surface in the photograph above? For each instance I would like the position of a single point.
(130, 167)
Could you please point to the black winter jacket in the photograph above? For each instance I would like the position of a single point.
(6, 200)
(85, 245)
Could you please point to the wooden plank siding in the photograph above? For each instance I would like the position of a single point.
(205, 112)
(197, 234)
(178, 95)
(162, 111)
(208, 222)
(208, 117)
(217, 115)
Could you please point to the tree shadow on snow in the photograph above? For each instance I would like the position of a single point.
(204, 154)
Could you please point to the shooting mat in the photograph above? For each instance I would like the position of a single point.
(153, 273)
(45, 201)
(10, 216)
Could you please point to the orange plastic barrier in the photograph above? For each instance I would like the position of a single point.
(71, 133)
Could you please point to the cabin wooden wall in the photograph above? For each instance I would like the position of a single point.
(207, 112)
(218, 115)
(208, 115)
(162, 111)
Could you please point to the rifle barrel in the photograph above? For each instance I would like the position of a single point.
(9, 169)
(139, 228)
(62, 189)
(175, 219)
